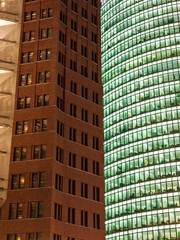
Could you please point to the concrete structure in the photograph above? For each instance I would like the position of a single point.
(56, 183)
(10, 18)
(141, 80)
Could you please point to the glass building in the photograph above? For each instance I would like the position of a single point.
(141, 81)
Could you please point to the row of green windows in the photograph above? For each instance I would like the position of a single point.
(143, 161)
(138, 49)
(146, 220)
(142, 16)
(141, 205)
(142, 190)
(129, 3)
(143, 107)
(143, 59)
(140, 176)
(145, 133)
(155, 67)
(146, 25)
(159, 233)
(143, 147)
(148, 93)
(143, 120)
(143, 36)
(149, 81)
(116, 156)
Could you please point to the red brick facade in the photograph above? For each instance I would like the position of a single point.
(56, 183)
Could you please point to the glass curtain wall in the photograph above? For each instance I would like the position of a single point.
(141, 81)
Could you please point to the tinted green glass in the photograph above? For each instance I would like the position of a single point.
(141, 81)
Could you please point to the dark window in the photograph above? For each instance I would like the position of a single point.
(96, 167)
(84, 218)
(59, 182)
(37, 180)
(95, 120)
(96, 221)
(84, 139)
(84, 163)
(60, 128)
(72, 110)
(84, 92)
(19, 153)
(73, 87)
(72, 187)
(96, 196)
(72, 159)
(72, 134)
(71, 215)
(14, 183)
(95, 98)
(84, 190)
(39, 151)
(59, 154)
(96, 143)
(84, 115)
(57, 211)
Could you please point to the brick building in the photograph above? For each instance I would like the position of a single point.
(56, 185)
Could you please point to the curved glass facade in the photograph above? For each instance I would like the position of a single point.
(141, 81)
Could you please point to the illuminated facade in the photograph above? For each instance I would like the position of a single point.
(141, 79)
(10, 16)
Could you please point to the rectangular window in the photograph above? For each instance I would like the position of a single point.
(49, 32)
(96, 143)
(30, 57)
(72, 110)
(21, 181)
(32, 35)
(33, 15)
(27, 102)
(84, 115)
(96, 221)
(71, 215)
(95, 167)
(96, 196)
(50, 12)
(19, 210)
(57, 211)
(18, 127)
(95, 120)
(84, 163)
(72, 134)
(60, 128)
(19, 153)
(72, 159)
(95, 98)
(84, 92)
(25, 127)
(73, 87)
(84, 139)
(84, 218)
(59, 155)
(72, 187)
(37, 180)
(59, 182)
(57, 237)
(14, 182)
(39, 151)
(84, 190)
